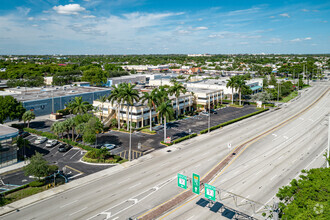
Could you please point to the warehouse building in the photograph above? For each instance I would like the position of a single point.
(47, 100)
(8, 152)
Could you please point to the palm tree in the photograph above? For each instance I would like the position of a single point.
(116, 96)
(176, 90)
(71, 124)
(102, 99)
(79, 129)
(165, 110)
(130, 96)
(231, 83)
(55, 128)
(240, 84)
(161, 96)
(78, 106)
(28, 116)
(150, 98)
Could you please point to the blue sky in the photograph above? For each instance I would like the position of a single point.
(162, 27)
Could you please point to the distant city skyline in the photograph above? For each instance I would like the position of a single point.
(164, 27)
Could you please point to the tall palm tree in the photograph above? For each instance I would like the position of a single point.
(176, 90)
(78, 106)
(28, 116)
(231, 84)
(79, 129)
(129, 96)
(240, 84)
(71, 124)
(165, 110)
(161, 95)
(102, 99)
(116, 96)
(150, 98)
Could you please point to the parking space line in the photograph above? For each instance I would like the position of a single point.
(67, 152)
(75, 154)
(74, 169)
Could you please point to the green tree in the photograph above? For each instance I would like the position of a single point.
(95, 76)
(176, 90)
(10, 108)
(38, 167)
(80, 128)
(56, 128)
(231, 84)
(129, 96)
(116, 96)
(165, 110)
(239, 85)
(150, 99)
(78, 106)
(308, 197)
(28, 116)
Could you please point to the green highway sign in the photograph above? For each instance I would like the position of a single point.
(182, 181)
(195, 183)
(210, 192)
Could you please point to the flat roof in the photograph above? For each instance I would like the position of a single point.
(202, 90)
(37, 93)
(7, 132)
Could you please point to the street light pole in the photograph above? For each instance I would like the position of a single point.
(130, 139)
(209, 121)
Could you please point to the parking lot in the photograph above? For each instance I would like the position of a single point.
(174, 130)
(68, 161)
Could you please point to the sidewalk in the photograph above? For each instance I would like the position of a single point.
(14, 166)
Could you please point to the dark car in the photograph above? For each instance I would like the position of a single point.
(24, 134)
(64, 148)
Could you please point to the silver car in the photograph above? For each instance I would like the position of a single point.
(51, 143)
(40, 140)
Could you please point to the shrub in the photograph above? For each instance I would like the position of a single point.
(184, 138)
(146, 130)
(37, 183)
(64, 111)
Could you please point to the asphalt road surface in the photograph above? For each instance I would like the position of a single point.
(257, 173)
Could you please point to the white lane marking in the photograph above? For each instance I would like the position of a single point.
(74, 154)
(209, 159)
(125, 180)
(265, 203)
(115, 218)
(68, 204)
(258, 172)
(134, 185)
(285, 137)
(191, 217)
(72, 177)
(274, 135)
(164, 164)
(273, 177)
(246, 198)
(204, 154)
(279, 157)
(198, 165)
(78, 211)
(67, 152)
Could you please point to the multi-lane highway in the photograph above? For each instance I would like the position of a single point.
(257, 172)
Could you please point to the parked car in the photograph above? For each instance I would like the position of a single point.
(204, 113)
(109, 146)
(64, 148)
(214, 111)
(51, 143)
(40, 140)
(24, 134)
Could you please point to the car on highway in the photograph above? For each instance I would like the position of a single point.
(109, 146)
(51, 143)
(64, 148)
(40, 140)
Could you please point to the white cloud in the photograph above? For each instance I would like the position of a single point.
(30, 18)
(271, 16)
(199, 28)
(301, 39)
(305, 10)
(88, 16)
(23, 10)
(285, 15)
(244, 11)
(70, 9)
(273, 41)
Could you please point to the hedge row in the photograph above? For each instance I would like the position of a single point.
(116, 159)
(180, 139)
(232, 121)
(53, 136)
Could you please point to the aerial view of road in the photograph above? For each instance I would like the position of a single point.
(294, 138)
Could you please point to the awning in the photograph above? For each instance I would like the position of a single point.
(254, 88)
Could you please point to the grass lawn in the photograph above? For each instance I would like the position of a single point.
(289, 97)
(147, 130)
(236, 106)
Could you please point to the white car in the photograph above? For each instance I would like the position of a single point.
(40, 140)
(109, 146)
(204, 113)
(51, 143)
